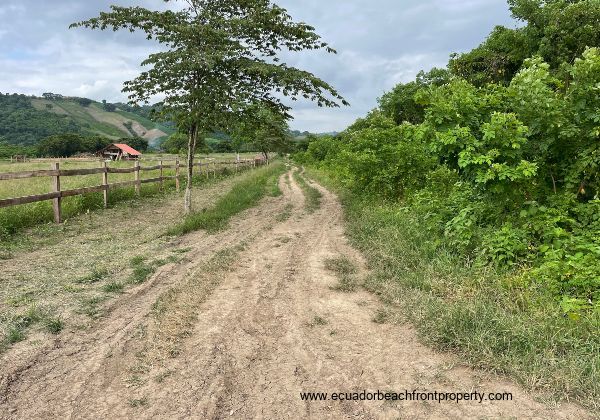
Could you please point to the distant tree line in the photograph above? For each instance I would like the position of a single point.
(69, 144)
(254, 140)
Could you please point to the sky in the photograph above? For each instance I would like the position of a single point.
(380, 43)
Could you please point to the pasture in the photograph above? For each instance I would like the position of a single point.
(13, 219)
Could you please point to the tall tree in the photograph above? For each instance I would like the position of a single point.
(264, 128)
(218, 55)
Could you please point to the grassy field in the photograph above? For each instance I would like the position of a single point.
(60, 276)
(471, 311)
(13, 219)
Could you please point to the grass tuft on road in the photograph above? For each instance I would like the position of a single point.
(18, 326)
(346, 271)
(244, 195)
(312, 195)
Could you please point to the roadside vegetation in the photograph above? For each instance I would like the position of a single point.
(468, 309)
(244, 195)
(474, 192)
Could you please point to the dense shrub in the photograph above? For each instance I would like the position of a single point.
(502, 174)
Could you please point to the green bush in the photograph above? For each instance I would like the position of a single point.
(502, 174)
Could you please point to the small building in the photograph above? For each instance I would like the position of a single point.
(119, 152)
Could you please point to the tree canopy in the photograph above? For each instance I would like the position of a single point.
(264, 129)
(559, 31)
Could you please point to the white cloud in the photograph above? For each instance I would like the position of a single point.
(380, 43)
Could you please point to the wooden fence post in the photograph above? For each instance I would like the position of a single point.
(214, 169)
(136, 174)
(162, 184)
(177, 186)
(105, 183)
(56, 188)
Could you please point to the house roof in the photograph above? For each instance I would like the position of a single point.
(128, 149)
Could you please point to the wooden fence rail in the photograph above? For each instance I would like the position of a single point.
(57, 194)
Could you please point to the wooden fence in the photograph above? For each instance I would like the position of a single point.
(56, 195)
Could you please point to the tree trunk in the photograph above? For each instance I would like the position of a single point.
(192, 138)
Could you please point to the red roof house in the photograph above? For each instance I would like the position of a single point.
(117, 151)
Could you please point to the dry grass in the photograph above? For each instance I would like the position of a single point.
(71, 270)
(312, 195)
(346, 271)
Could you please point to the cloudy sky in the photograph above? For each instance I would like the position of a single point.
(379, 42)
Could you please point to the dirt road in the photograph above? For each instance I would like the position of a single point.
(248, 321)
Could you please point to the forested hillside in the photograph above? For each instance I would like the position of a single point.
(22, 124)
(26, 122)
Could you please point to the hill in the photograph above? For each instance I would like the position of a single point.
(26, 120)
(300, 135)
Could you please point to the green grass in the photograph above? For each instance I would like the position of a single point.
(113, 287)
(479, 315)
(91, 306)
(312, 195)
(16, 329)
(346, 271)
(15, 219)
(141, 270)
(54, 325)
(14, 335)
(285, 214)
(244, 195)
(273, 185)
(95, 276)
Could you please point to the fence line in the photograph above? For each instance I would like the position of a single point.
(57, 194)
(61, 159)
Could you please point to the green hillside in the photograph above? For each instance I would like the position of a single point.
(27, 120)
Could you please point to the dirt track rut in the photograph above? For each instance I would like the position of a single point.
(265, 329)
